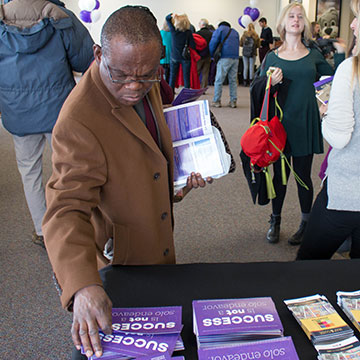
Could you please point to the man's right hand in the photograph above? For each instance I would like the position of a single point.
(92, 311)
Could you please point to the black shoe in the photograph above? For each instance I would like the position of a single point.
(296, 239)
(273, 234)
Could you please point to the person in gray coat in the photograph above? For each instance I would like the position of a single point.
(41, 44)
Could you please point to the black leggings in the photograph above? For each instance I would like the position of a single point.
(302, 167)
(328, 229)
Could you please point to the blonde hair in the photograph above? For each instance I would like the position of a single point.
(355, 7)
(181, 22)
(281, 23)
(251, 30)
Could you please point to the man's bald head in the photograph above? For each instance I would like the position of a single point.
(135, 24)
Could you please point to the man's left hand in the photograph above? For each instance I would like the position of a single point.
(196, 180)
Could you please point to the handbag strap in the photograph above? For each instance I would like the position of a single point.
(227, 35)
(265, 106)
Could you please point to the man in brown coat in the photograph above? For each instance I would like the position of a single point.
(110, 195)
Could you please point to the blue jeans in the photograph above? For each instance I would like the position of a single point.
(227, 67)
(174, 69)
(248, 64)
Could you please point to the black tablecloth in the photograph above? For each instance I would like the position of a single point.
(171, 285)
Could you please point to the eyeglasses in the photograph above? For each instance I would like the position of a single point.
(153, 78)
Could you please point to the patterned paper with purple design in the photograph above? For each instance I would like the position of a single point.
(274, 349)
(229, 316)
(150, 320)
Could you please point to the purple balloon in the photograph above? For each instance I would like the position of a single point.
(85, 16)
(247, 10)
(97, 5)
(254, 14)
(240, 23)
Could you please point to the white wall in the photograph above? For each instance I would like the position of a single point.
(214, 10)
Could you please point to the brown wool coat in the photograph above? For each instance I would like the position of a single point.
(110, 179)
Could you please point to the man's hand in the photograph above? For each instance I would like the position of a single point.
(193, 181)
(92, 311)
(196, 180)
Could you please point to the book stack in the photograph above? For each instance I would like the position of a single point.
(280, 348)
(153, 332)
(350, 304)
(345, 349)
(233, 321)
(319, 320)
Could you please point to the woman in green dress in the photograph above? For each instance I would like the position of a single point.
(302, 65)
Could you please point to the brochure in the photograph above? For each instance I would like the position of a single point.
(350, 304)
(198, 146)
(229, 321)
(346, 349)
(188, 95)
(322, 89)
(319, 320)
(149, 320)
(276, 349)
(150, 331)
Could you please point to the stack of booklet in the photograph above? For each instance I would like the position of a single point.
(318, 319)
(350, 304)
(345, 349)
(232, 321)
(280, 349)
(143, 333)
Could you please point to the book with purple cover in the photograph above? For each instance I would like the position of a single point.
(188, 95)
(227, 321)
(127, 346)
(143, 331)
(149, 320)
(276, 349)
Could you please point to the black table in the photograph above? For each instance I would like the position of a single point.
(171, 285)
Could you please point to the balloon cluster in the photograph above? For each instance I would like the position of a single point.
(251, 13)
(90, 12)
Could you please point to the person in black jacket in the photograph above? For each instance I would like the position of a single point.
(266, 38)
(181, 34)
(203, 65)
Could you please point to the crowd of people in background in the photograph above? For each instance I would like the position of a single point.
(121, 97)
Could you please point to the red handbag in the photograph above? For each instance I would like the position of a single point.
(264, 143)
(265, 140)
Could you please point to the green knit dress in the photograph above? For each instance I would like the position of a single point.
(301, 113)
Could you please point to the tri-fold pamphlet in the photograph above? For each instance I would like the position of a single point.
(319, 320)
(342, 350)
(322, 89)
(350, 304)
(137, 332)
(197, 145)
(233, 321)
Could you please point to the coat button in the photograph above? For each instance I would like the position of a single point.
(164, 216)
(156, 176)
(166, 252)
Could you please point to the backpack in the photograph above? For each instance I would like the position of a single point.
(248, 47)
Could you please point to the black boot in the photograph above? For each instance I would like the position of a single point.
(273, 233)
(296, 239)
